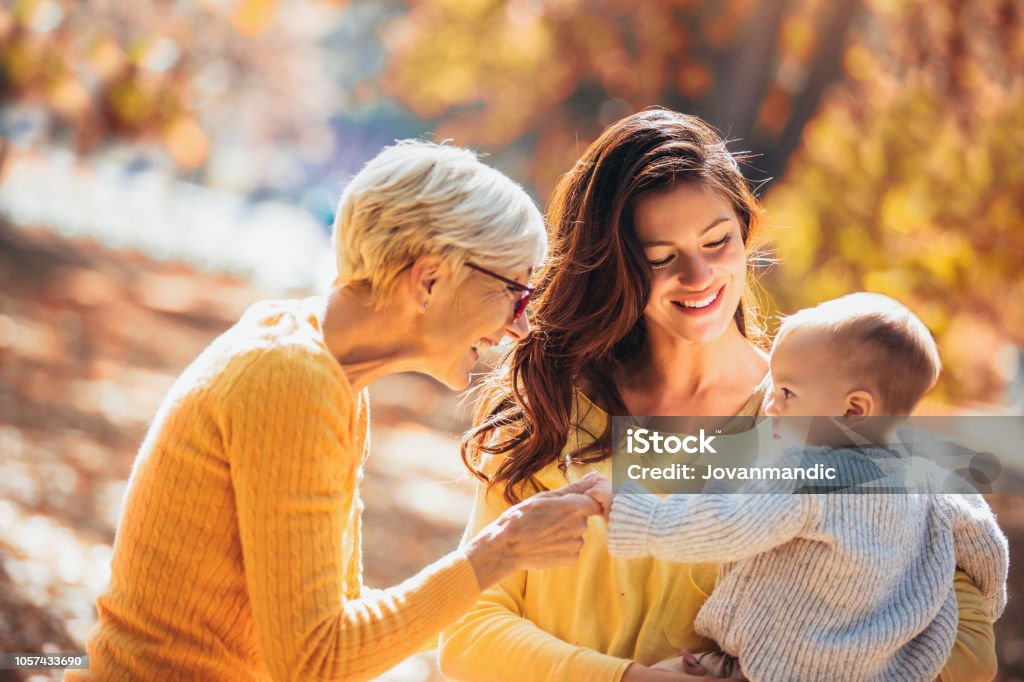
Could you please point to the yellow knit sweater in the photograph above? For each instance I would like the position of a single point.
(237, 556)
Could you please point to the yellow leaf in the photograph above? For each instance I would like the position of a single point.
(254, 17)
(187, 142)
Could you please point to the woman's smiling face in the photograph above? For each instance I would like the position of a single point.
(467, 320)
(693, 243)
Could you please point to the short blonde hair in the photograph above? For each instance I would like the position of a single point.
(416, 198)
(880, 339)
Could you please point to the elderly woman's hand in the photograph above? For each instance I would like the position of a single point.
(602, 492)
(543, 531)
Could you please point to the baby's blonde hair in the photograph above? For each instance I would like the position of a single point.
(416, 198)
(879, 339)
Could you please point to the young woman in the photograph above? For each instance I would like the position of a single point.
(237, 556)
(644, 309)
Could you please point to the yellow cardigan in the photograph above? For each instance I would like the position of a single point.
(237, 555)
(589, 621)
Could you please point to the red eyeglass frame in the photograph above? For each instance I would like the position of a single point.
(524, 300)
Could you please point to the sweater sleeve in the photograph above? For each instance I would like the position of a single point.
(495, 643)
(704, 527)
(289, 424)
(981, 548)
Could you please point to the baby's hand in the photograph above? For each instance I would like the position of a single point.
(602, 492)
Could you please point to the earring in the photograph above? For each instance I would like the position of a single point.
(426, 305)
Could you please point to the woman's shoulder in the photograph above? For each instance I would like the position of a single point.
(586, 413)
(587, 423)
(276, 346)
(282, 325)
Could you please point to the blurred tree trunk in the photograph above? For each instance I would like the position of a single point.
(826, 69)
(748, 74)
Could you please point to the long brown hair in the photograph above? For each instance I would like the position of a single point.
(587, 318)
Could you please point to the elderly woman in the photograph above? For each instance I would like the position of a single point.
(237, 556)
(644, 309)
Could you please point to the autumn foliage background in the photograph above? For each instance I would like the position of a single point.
(164, 164)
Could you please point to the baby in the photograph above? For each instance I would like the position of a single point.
(830, 586)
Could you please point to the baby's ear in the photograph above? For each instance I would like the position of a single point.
(860, 404)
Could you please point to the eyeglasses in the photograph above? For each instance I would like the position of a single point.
(523, 300)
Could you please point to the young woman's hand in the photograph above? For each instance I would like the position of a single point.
(680, 668)
(641, 673)
(602, 492)
(543, 531)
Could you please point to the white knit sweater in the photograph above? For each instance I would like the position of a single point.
(825, 586)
